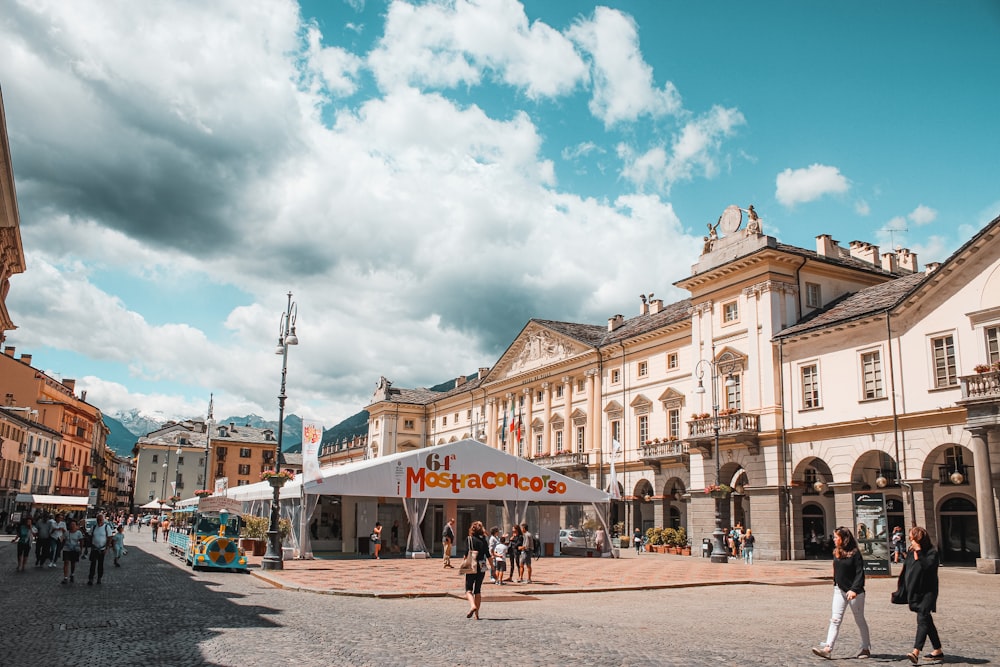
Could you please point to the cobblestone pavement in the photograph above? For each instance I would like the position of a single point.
(154, 611)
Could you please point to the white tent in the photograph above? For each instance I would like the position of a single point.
(155, 505)
(463, 470)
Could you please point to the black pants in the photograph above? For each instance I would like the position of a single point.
(926, 630)
(96, 562)
(43, 550)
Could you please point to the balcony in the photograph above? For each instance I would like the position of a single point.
(981, 399)
(734, 428)
(88, 470)
(562, 461)
(669, 451)
(41, 489)
(945, 475)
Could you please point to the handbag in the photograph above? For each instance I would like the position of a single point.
(899, 595)
(470, 562)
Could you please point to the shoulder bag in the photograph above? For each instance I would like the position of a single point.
(470, 563)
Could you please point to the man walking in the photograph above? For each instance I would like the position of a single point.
(43, 542)
(99, 541)
(527, 549)
(448, 539)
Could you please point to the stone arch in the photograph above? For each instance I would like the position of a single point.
(674, 503)
(873, 470)
(958, 525)
(943, 461)
(643, 507)
(810, 471)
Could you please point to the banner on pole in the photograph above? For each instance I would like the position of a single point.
(312, 435)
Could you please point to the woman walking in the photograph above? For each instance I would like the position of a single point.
(747, 544)
(376, 538)
(513, 549)
(474, 582)
(918, 587)
(23, 538)
(848, 591)
(71, 551)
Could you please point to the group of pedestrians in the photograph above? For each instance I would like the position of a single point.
(55, 538)
(916, 587)
(492, 554)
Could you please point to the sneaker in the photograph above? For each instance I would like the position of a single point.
(529, 581)
(52, 564)
(863, 654)
(65, 580)
(823, 652)
(90, 582)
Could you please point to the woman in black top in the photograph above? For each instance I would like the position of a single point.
(918, 582)
(848, 591)
(514, 548)
(474, 582)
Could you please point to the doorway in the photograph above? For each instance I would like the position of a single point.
(959, 532)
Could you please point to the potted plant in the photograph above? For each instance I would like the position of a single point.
(669, 538)
(203, 493)
(982, 368)
(718, 490)
(277, 477)
(253, 536)
(174, 499)
(682, 542)
(653, 539)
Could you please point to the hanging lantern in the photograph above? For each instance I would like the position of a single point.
(647, 497)
(739, 489)
(819, 486)
(881, 481)
(956, 477)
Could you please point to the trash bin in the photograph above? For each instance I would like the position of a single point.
(706, 548)
(550, 549)
(365, 546)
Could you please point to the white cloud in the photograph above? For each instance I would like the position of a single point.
(623, 88)
(862, 208)
(456, 43)
(694, 150)
(922, 215)
(799, 186)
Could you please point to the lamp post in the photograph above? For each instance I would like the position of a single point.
(725, 365)
(286, 336)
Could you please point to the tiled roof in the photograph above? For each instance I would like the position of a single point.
(598, 336)
(868, 301)
(247, 434)
(852, 262)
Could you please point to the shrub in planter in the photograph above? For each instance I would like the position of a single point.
(655, 536)
(669, 536)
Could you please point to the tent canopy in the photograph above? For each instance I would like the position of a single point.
(64, 501)
(466, 470)
(154, 505)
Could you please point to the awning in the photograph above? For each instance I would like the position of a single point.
(62, 501)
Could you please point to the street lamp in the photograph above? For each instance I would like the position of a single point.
(286, 336)
(725, 365)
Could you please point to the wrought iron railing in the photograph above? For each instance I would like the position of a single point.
(945, 474)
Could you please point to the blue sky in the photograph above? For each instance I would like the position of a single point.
(425, 177)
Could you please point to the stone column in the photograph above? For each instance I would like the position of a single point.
(547, 419)
(989, 544)
(528, 394)
(843, 506)
(797, 546)
(593, 436)
(491, 423)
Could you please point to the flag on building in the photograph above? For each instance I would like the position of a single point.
(520, 425)
(312, 437)
(503, 431)
(513, 419)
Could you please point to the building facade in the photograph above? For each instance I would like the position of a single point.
(171, 461)
(11, 252)
(797, 378)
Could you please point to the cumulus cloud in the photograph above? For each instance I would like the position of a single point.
(862, 208)
(799, 186)
(623, 88)
(922, 215)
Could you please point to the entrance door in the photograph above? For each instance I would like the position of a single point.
(959, 532)
(814, 532)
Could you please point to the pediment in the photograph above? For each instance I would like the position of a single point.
(536, 347)
(640, 400)
(671, 394)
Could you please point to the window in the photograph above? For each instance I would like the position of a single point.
(244, 452)
(456, 417)
(408, 424)
(180, 480)
(581, 433)
(581, 386)
(871, 373)
(810, 386)
(539, 396)
(156, 458)
(943, 352)
(180, 460)
(734, 394)
(643, 428)
(220, 452)
(616, 376)
(730, 312)
(444, 421)
(643, 369)
(244, 469)
(468, 415)
(152, 477)
(559, 442)
(559, 391)
(992, 345)
(242, 482)
(814, 295)
(674, 423)
(616, 431)
(672, 360)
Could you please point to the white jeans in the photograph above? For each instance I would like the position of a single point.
(840, 604)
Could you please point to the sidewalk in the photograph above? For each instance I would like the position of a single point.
(398, 577)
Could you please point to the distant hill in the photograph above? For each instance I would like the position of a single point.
(356, 424)
(120, 438)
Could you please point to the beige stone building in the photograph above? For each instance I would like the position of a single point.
(11, 252)
(799, 378)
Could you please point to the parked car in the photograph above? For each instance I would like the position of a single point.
(572, 539)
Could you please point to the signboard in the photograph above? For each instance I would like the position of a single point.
(220, 504)
(92, 500)
(872, 531)
(221, 484)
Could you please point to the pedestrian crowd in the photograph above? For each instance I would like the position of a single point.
(68, 539)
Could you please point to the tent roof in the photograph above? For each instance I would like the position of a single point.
(466, 470)
(39, 499)
(154, 505)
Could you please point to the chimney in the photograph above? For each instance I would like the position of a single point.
(83, 395)
(615, 322)
(889, 262)
(931, 267)
(644, 307)
(907, 260)
(826, 246)
(9, 350)
(655, 306)
(483, 370)
(70, 384)
(26, 359)
(864, 251)
(460, 380)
